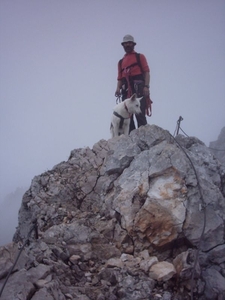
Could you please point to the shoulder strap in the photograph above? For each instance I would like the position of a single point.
(138, 62)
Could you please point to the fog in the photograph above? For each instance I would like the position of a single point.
(58, 70)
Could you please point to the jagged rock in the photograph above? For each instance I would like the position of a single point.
(21, 285)
(104, 221)
(8, 255)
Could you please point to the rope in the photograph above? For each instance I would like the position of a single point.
(179, 128)
(204, 216)
(184, 132)
(201, 198)
(34, 227)
(148, 110)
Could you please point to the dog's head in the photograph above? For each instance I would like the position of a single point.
(133, 104)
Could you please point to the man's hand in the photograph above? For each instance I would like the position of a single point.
(118, 88)
(117, 93)
(146, 91)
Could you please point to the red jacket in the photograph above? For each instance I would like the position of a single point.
(130, 59)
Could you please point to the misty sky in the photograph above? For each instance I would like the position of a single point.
(58, 69)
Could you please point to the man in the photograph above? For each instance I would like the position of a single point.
(133, 77)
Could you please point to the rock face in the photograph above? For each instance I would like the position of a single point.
(218, 147)
(137, 217)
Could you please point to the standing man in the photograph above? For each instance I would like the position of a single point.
(133, 77)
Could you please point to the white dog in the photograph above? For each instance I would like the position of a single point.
(122, 113)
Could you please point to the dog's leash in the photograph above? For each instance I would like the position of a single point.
(118, 99)
(148, 110)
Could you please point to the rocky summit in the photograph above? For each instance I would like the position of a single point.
(135, 217)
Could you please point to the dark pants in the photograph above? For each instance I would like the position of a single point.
(141, 118)
(137, 87)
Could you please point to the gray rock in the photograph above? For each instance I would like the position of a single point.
(18, 286)
(42, 294)
(214, 284)
(99, 223)
(217, 255)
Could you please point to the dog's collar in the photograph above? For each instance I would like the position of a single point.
(127, 110)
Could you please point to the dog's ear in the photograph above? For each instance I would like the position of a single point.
(133, 97)
(139, 98)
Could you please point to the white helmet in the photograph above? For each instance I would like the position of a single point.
(128, 38)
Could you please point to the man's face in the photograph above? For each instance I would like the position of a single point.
(128, 47)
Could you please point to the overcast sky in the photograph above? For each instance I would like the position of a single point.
(58, 69)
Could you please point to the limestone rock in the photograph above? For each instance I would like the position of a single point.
(108, 222)
(162, 271)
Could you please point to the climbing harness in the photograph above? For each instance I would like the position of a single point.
(138, 84)
(127, 73)
(127, 76)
